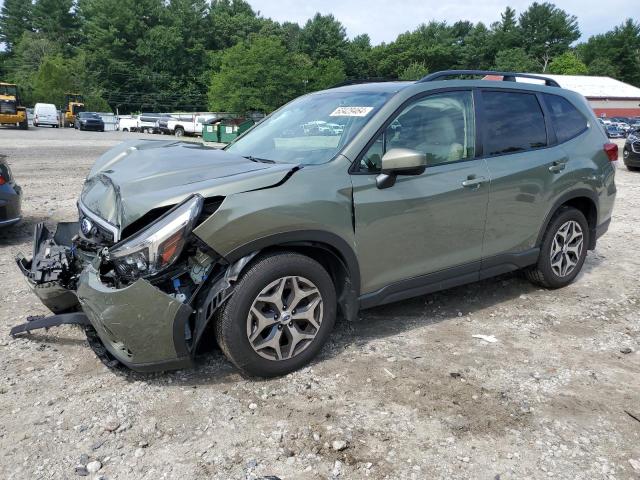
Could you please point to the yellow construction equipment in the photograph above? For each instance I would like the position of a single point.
(11, 110)
(74, 105)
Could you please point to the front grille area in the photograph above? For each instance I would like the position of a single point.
(7, 107)
(635, 146)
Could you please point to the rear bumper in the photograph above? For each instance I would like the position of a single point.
(91, 126)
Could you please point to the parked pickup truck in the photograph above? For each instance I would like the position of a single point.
(190, 124)
(146, 122)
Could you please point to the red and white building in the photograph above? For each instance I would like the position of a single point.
(607, 96)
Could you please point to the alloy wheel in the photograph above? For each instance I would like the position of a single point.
(284, 318)
(566, 248)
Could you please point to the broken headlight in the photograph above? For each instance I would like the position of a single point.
(159, 245)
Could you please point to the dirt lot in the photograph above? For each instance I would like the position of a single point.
(405, 392)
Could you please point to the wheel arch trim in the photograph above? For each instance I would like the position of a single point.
(565, 198)
(308, 238)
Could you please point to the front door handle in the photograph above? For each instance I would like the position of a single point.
(473, 182)
(557, 167)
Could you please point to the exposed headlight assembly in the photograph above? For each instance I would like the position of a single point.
(159, 245)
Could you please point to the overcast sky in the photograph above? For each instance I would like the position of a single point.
(383, 20)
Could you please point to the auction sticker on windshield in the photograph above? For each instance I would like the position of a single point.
(351, 112)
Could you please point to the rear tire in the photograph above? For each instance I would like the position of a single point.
(241, 333)
(563, 251)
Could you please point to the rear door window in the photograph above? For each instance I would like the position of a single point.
(568, 122)
(513, 122)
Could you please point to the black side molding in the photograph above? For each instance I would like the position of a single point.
(38, 322)
(414, 287)
(451, 277)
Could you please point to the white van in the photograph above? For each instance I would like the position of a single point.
(45, 114)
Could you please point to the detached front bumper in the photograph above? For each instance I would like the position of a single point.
(141, 326)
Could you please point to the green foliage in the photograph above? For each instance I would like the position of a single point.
(177, 55)
(615, 53)
(415, 71)
(568, 64)
(56, 19)
(323, 37)
(603, 68)
(547, 31)
(27, 57)
(258, 75)
(515, 60)
(230, 22)
(58, 75)
(326, 73)
(16, 17)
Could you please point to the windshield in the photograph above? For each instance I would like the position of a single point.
(8, 90)
(311, 129)
(89, 115)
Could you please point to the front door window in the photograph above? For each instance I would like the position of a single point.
(441, 125)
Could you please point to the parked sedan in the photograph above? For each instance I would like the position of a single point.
(10, 196)
(90, 121)
(613, 131)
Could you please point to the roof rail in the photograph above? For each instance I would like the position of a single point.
(358, 81)
(506, 76)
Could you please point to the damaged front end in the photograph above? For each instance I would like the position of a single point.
(149, 297)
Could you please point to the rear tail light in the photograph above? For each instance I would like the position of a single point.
(2, 179)
(611, 149)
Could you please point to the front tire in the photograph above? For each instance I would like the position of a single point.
(563, 251)
(281, 313)
(179, 132)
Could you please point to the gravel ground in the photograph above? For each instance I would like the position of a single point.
(405, 392)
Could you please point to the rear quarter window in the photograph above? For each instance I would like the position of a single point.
(568, 122)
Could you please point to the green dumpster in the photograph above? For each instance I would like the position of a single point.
(211, 132)
(230, 128)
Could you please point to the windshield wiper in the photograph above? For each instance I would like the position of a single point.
(260, 160)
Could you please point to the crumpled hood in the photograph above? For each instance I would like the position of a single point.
(138, 176)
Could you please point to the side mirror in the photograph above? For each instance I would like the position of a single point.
(400, 161)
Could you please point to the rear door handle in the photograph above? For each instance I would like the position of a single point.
(557, 167)
(473, 182)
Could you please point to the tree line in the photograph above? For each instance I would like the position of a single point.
(222, 55)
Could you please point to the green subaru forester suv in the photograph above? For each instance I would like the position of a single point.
(339, 201)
